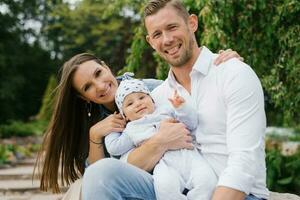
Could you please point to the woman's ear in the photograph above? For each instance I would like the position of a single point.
(83, 98)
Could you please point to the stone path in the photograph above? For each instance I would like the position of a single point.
(16, 184)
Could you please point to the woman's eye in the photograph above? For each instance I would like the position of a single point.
(87, 87)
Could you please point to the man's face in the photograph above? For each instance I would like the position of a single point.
(171, 36)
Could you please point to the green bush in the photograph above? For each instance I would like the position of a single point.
(283, 172)
(18, 128)
(5, 152)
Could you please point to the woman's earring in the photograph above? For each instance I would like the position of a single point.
(89, 108)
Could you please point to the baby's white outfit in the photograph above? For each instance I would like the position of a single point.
(177, 169)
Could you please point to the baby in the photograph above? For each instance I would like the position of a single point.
(177, 169)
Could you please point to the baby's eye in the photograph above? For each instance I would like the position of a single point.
(142, 97)
(98, 72)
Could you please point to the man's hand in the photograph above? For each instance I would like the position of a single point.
(173, 135)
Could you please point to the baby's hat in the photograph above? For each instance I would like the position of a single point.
(127, 87)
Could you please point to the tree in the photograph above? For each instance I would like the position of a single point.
(89, 27)
(24, 66)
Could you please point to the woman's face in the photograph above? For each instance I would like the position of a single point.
(95, 83)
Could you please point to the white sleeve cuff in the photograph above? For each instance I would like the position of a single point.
(234, 178)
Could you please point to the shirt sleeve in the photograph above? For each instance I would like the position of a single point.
(246, 124)
(118, 143)
(187, 115)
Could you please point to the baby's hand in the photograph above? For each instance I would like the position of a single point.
(176, 100)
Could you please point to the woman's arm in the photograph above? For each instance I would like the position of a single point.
(112, 123)
(171, 136)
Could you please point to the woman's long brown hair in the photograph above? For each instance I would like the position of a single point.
(66, 141)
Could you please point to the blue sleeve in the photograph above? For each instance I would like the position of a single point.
(152, 83)
(149, 82)
(117, 144)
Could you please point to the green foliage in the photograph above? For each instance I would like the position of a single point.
(89, 26)
(283, 172)
(24, 65)
(5, 151)
(8, 152)
(18, 128)
(46, 109)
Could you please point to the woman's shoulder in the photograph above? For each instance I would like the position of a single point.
(151, 83)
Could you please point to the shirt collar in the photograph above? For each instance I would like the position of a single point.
(201, 65)
(203, 61)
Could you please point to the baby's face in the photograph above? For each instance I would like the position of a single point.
(137, 105)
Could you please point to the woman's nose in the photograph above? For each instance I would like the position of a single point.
(100, 86)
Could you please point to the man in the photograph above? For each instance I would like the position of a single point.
(229, 100)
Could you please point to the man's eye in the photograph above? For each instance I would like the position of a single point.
(156, 35)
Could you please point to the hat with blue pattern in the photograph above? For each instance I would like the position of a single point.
(127, 87)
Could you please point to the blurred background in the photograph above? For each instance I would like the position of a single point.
(37, 36)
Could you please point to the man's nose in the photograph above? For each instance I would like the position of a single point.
(167, 38)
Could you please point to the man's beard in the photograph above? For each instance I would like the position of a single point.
(184, 58)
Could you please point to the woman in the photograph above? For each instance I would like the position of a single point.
(84, 114)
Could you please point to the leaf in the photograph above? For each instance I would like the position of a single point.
(285, 181)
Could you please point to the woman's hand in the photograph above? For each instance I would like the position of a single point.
(174, 135)
(226, 55)
(112, 123)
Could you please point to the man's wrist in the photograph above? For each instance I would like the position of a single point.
(158, 143)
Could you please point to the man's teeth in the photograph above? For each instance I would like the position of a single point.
(173, 50)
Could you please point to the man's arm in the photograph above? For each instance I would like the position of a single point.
(246, 123)
(226, 193)
(171, 136)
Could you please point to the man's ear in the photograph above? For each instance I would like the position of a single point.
(148, 39)
(193, 23)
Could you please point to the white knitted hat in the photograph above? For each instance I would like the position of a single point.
(127, 87)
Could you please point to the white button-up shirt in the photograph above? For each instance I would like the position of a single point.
(230, 104)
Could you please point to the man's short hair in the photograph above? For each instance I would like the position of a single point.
(153, 6)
